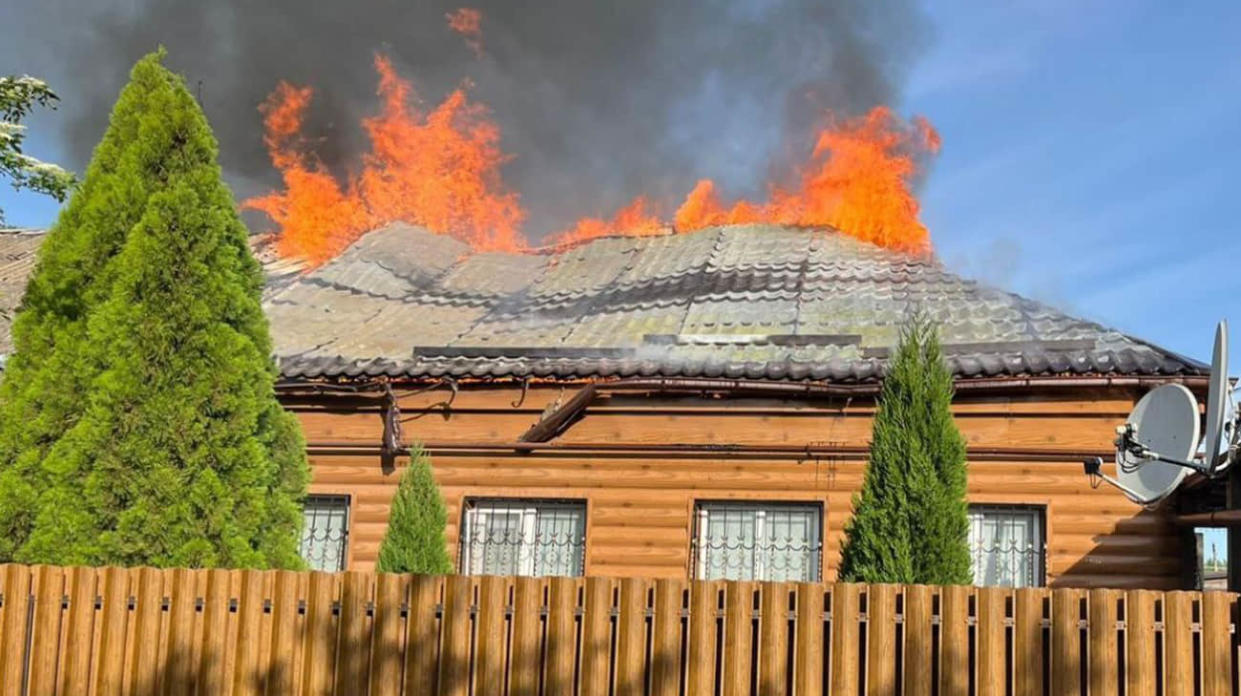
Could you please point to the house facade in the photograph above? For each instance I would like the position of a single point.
(697, 406)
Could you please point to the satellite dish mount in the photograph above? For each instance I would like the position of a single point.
(1159, 443)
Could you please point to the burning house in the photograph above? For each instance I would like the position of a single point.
(693, 405)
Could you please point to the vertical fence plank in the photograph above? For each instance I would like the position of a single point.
(808, 660)
(773, 623)
(954, 641)
(354, 654)
(666, 656)
(1178, 645)
(113, 617)
(319, 635)
(703, 636)
(492, 634)
(1028, 641)
(16, 591)
(1066, 654)
(738, 637)
(917, 616)
(79, 632)
(990, 629)
(147, 589)
(631, 638)
(1104, 667)
(525, 664)
(454, 676)
(845, 658)
(1216, 643)
(1140, 643)
(423, 636)
(561, 637)
(388, 647)
(248, 676)
(881, 639)
(211, 658)
(286, 636)
(597, 636)
(47, 586)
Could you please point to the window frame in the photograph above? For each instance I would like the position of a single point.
(700, 512)
(1041, 512)
(528, 507)
(345, 547)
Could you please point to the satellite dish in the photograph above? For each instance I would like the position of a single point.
(1217, 400)
(1164, 423)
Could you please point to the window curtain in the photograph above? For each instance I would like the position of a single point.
(524, 538)
(324, 531)
(756, 542)
(1007, 546)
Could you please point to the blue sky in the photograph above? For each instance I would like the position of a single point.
(1089, 157)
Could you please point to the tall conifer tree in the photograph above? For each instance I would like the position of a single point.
(414, 542)
(910, 520)
(43, 381)
(181, 454)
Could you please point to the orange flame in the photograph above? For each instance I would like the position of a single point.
(858, 181)
(442, 170)
(468, 22)
(633, 220)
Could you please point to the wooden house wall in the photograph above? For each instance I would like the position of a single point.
(1023, 450)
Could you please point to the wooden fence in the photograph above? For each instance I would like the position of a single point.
(143, 632)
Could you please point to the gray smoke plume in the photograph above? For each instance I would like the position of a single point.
(597, 101)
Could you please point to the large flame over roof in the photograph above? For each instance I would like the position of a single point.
(442, 169)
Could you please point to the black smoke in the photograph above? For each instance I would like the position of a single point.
(597, 101)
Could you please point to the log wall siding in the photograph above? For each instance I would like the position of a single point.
(640, 503)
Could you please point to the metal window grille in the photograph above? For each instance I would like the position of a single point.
(1006, 543)
(758, 541)
(325, 531)
(523, 537)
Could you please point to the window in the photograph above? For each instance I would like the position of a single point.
(325, 531)
(1006, 542)
(523, 537)
(758, 541)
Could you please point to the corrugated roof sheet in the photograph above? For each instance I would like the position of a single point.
(753, 301)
